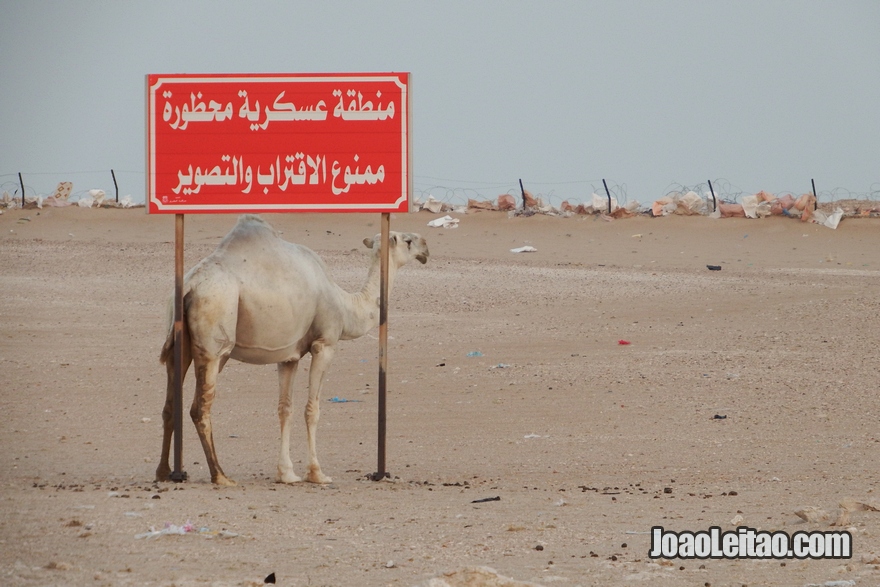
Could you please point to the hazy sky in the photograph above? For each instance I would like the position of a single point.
(761, 94)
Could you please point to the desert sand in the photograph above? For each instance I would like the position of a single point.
(744, 396)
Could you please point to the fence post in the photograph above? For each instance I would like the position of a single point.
(815, 196)
(115, 184)
(714, 199)
(21, 182)
(522, 191)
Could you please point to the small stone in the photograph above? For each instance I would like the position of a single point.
(539, 547)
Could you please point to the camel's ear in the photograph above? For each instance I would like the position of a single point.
(368, 242)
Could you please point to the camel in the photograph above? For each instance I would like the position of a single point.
(261, 300)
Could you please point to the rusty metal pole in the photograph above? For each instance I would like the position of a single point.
(815, 195)
(178, 474)
(381, 473)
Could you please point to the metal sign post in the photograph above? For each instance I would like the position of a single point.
(381, 473)
(178, 474)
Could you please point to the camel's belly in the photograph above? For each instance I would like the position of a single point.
(264, 356)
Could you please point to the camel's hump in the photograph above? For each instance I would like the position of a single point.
(251, 227)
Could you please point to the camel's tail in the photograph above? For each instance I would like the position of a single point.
(168, 347)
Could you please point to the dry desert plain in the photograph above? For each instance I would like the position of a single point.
(586, 442)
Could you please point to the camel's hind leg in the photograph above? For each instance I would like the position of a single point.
(286, 373)
(322, 355)
(163, 471)
(207, 369)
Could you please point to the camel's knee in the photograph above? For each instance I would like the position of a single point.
(168, 412)
(313, 412)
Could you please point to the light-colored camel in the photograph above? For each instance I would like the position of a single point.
(261, 300)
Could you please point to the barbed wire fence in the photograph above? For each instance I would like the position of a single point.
(452, 192)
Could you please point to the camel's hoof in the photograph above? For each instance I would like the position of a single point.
(163, 474)
(224, 480)
(318, 477)
(287, 477)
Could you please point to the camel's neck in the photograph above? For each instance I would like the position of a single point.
(363, 309)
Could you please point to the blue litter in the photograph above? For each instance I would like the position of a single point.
(475, 354)
(339, 400)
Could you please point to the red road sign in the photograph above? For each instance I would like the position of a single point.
(278, 143)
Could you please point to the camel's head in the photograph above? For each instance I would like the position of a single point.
(404, 246)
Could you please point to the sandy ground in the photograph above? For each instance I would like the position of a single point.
(588, 443)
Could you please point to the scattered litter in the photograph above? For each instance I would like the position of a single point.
(535, 436)
(133, 515)
(486, 499)
(145, 420)
(501, 366)
(636, 236)
(829, 220)
(719, 417)
(188, 528)
(845, 583)
(713, 267)
(525, 249)
(339, 400)
(445, 222)
(390, 565)
(433, 205)
(270, 579)
(737, 520)
(623, 342)
(475, 354)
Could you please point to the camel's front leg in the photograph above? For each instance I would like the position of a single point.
(163, 471)
(200, 412)
(322, 355)
(286, 373)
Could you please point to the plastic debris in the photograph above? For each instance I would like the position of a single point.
(713, 267)
(432, 205)
(829, 220)
(444, 222)
(623, 342)
(475, 354)
(339, 400)
(525, 249)
(270, 579)
(188, 528)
